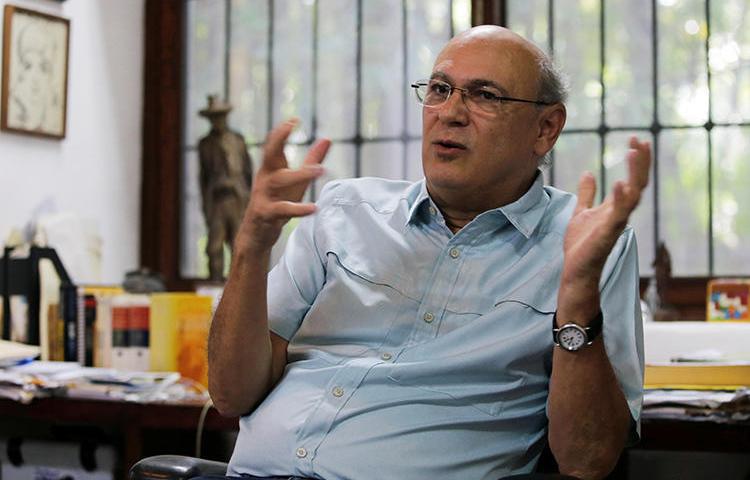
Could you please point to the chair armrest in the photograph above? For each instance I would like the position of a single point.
(175, 467)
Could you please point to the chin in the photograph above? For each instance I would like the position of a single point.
(439, 178)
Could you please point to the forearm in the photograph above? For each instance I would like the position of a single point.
(588, 414)
(244, 359)
(240, 354)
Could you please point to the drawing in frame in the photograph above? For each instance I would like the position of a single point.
(34, 93)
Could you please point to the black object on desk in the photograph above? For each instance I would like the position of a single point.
(20, 276)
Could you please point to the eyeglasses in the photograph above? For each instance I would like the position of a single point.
(481, 98)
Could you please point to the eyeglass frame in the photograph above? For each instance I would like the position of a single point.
(464, 91)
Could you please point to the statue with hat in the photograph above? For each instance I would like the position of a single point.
(225, 177)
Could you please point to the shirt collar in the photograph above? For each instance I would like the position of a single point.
(421, 198)
(524, 214)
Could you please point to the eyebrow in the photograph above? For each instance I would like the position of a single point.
(473, 83)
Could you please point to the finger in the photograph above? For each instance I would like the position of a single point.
(273, 150)
(639, 163)
(291, 209)
(624, 203)
(317, 152)
(586, 192)
(288, 178)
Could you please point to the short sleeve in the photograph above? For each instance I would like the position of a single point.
(623, 325)
(294, 283)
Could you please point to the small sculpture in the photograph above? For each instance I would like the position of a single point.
(661, 310)
(226, 174)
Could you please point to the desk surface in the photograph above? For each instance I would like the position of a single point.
(103, 412)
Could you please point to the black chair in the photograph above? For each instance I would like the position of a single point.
(178, 467)
(175, 467)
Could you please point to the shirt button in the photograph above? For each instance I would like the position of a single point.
(338, 391)
(386, 356)
(428, 317)
(301, 452)
(454, 253)
(432, 210)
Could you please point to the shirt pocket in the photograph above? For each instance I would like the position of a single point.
(536, 291)
(498, 364)
(356, 307)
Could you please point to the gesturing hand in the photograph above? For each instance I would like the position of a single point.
(278, 190)
(593, 231)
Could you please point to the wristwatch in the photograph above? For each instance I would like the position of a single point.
(573, 337)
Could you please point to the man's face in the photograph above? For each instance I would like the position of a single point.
(474, 152)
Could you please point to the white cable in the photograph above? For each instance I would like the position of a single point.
(201, 421)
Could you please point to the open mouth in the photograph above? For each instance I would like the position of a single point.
(449, 145)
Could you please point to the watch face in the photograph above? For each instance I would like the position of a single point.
(571, 337)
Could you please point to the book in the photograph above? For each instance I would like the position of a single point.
(138, 333)
(49, 308)
(86, 332)
(119, 317)
(130, 331)
(55, 330)
(71, 311)
(103, 332)
(698, 375)
(102, 327)
(179, 334)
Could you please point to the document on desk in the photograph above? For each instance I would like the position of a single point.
(686, 398)
(14, 353)
(729, 405)
(23, 382)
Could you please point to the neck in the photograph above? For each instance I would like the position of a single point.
(457, 219)
(459, 207)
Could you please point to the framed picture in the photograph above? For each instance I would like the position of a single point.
(35, 73)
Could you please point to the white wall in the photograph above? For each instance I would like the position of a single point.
(95, 171)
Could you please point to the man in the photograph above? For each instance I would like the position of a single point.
(411, 324)
(226, 174)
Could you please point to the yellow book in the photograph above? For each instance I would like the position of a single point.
(690, 375)
(179, 334)
(102, 290)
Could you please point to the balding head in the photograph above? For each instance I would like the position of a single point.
(531, 61)
(499, 36)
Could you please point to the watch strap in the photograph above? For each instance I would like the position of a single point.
(593, 330)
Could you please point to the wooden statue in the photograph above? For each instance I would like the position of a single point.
(663, 274)
(225, 177)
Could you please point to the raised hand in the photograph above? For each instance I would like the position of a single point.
(277, 190)
(593, 231)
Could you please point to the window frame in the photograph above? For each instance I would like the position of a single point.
(162, 142)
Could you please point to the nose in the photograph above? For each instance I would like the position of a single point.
(454, 111)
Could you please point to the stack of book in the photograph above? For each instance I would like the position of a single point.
(108, 328)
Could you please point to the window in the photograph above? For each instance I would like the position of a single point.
(675, 72)
(342, 66)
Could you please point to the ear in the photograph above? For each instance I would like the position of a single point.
(550, 123)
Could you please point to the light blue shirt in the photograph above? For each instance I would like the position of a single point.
(415, 353)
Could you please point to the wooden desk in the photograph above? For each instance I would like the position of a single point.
(130, 424)
(696, 434)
